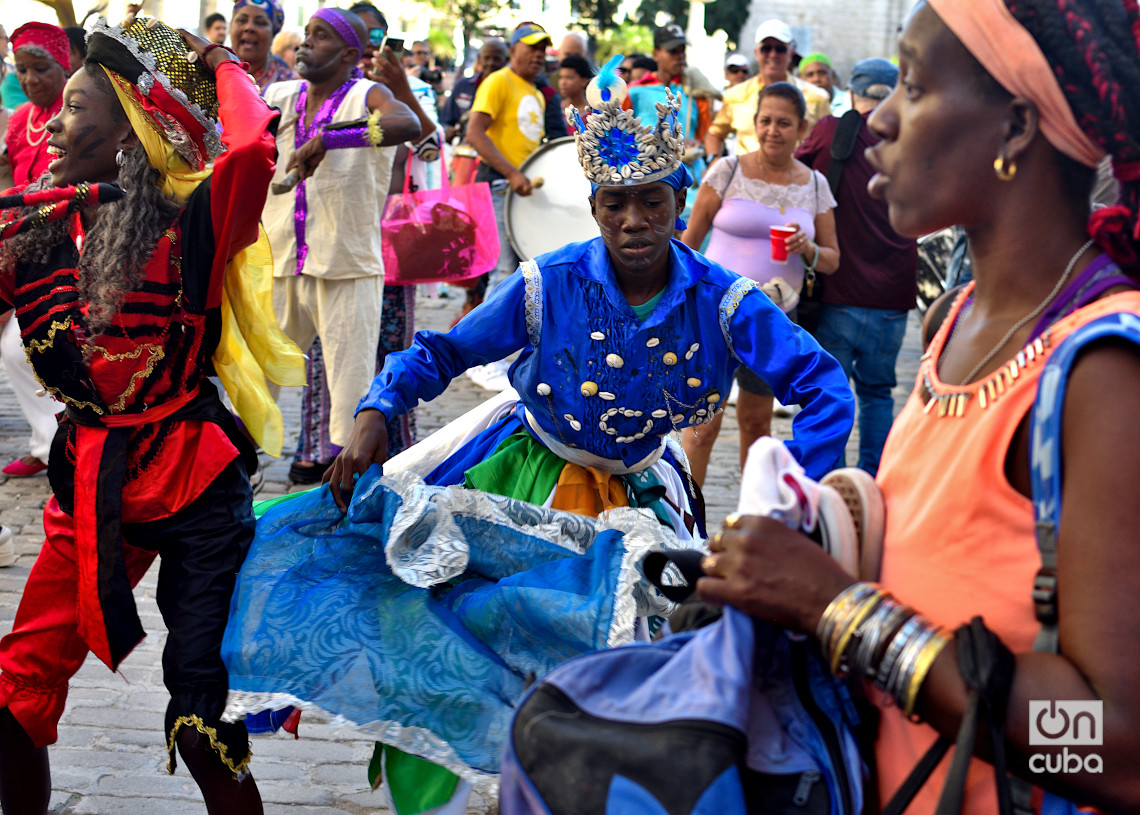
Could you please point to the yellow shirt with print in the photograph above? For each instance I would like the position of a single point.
(517, 110)
(738, 113)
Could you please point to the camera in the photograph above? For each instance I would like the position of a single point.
(431, 76)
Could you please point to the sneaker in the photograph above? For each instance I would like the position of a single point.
(492, 376)
(784, 411)
(7, 547)
(868, 511)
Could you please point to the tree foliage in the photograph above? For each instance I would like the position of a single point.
(728, 15)
(596, 16)
(626, 38)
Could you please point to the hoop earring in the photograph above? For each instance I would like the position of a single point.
(1004, 168)
(120, 157)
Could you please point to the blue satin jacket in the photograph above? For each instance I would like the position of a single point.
(596, 378)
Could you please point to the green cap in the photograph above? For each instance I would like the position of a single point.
(816, 56)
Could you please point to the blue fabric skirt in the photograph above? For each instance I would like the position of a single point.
(422, 615)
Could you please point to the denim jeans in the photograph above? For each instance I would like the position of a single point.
(508, 260)
(866, 341)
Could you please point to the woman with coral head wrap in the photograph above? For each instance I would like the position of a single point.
(135, 276)
(1003, 111)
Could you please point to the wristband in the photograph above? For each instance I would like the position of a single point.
(815, 258)
(358, 133)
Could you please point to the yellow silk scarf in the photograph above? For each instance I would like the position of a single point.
(252, 346)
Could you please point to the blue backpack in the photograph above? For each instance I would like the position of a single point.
(668, 728)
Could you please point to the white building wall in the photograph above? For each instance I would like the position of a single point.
(845, 30)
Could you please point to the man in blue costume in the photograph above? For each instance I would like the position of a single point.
(510, 540)
(624, 338)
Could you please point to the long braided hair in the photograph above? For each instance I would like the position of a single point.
(1094, 48)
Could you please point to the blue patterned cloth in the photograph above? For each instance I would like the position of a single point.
(422, 615)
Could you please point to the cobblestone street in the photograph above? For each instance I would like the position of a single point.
(110, 758)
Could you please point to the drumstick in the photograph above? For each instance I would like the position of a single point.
(538, 182)
(286, 184)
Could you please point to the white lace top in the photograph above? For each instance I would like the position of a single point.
(729, 181)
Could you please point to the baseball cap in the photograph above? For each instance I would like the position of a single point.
(774, 29)
(736, 60)
(873, 71)
(816, 56)
(530, 33)
(669, 37)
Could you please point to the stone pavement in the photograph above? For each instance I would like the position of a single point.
(110, 757)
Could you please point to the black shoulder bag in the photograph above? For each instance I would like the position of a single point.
(842, 148)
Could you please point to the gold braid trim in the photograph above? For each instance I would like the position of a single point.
(217, 745)
(375, 131)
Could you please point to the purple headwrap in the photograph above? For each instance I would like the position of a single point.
(342, 27)
(274, 10)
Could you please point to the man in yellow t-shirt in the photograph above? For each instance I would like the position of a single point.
(775, 47)
(506, 126)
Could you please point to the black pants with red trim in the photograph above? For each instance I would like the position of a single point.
(202, 547)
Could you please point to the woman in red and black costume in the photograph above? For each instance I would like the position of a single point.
(119, 303)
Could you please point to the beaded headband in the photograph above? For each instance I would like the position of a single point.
(341, 26)
(614, 147)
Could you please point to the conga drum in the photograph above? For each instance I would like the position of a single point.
(556, 213)
(464, 164)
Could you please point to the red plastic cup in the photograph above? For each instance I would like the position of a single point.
(780, 235)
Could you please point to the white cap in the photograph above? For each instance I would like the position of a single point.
(775, 29)
(736, 59)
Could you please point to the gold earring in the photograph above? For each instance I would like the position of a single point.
(1004, 169)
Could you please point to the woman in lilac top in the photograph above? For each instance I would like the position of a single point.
(741, 199)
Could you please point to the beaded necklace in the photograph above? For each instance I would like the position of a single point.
(994, 386)
(40, 129)
(302, 134)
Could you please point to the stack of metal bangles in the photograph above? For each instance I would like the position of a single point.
(866, 633)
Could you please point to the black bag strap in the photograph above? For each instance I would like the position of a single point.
(688, 563)
(842, 147)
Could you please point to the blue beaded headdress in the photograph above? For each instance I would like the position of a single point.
(614, 147)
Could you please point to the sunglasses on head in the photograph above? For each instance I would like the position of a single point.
(376, 37)
(768, 48)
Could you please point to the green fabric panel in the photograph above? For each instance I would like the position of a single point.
(416, 785)
(643, 311)
(520, 468)
(646, 490)
(261, 507)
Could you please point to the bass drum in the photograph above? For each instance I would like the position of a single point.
(558, 212)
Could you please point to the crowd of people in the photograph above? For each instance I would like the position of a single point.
(191, 222)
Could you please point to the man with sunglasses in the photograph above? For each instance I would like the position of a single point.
(736, 70)
(775, 46)
(673, 72)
